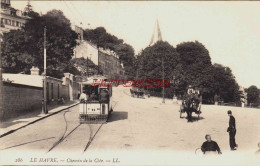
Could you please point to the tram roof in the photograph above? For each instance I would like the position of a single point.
(91, 79)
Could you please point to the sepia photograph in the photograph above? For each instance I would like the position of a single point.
(130, 83)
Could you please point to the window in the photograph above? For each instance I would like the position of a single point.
(17, 23)
(2, 20)
(13, 23)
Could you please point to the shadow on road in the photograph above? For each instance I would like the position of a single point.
(194, 118)
(118, 115)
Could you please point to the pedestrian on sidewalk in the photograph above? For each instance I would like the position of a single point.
(210, 146)
(232, 131)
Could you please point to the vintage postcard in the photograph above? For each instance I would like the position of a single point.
(130, 83)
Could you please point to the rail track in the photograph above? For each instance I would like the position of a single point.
(64, 136)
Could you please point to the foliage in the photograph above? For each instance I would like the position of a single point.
(253, 96)
(224, 84)
(22, 49)
(151, 60)
(85, 66)
(188, 64)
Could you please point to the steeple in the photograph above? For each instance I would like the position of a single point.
(157, 36)
(28, 7)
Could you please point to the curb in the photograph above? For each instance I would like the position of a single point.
(12, 131)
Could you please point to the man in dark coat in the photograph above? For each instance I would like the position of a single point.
(210, 146)
(232, 131)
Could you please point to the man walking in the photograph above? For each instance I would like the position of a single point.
(232, 131)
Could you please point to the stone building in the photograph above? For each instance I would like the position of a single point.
(107, 60)
(85, 49)
(110, 64)
(11, 18)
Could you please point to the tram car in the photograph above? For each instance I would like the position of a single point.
(95, 101)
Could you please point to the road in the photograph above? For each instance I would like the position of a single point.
(136, 125)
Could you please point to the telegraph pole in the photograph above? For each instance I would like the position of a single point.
(163, 101)
(45, 73)
(1, 84)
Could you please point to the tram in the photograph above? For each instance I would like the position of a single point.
(95, 105)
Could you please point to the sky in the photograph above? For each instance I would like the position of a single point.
(229, 30)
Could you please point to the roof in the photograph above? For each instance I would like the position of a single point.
(90, 80)
(24, 79)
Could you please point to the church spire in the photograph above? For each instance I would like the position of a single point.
(157, 35)
(28, 7)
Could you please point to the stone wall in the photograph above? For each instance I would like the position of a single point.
(19, 99)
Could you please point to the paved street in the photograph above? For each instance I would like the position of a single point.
(136, 125)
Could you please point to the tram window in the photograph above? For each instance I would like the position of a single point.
(104, 95)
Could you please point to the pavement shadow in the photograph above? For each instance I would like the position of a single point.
(195, 118)
(118, 115)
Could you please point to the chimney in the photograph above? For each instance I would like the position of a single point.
(35, 71)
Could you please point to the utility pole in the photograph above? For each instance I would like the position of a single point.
(163, 101)
(1, 84)
(87, 66)
(45, 73)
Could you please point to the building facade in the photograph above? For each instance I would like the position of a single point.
(107, 60)
(86, 50)
(11, 19)
(109, 64)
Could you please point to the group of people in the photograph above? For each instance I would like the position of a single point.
(211, 146)
(103, 97)
(191, 102)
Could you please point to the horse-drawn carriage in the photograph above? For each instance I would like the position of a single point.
(136, 92)
(190, 104)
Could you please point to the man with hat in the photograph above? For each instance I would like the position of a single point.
(232, 131)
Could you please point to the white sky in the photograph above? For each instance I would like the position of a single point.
(229, 30)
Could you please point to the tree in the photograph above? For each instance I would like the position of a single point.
(253, 96)
(196, 62)
(149, 63)
(126, 56)
(23, 49)
(224, 84)
(85, 66)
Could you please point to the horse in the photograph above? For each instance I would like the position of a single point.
(191, 105)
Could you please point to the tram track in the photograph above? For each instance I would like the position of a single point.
(91, 138)
(64, 136)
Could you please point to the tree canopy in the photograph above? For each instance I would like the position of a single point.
(85, 66)
(188, 64)
(22, 49)
(253, 94)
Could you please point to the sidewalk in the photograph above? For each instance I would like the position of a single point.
(11, 125)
